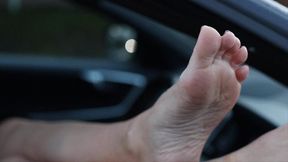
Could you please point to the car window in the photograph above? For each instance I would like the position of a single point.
(283, 2)
(278, 5)
(49, 28)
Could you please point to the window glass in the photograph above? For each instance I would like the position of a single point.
(283, 2)
(49, 28)
(278, 5)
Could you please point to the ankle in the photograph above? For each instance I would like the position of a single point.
(137, 135)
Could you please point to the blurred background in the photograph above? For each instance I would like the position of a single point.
(64, 62)
(57, 29)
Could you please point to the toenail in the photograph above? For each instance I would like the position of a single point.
(226, 31)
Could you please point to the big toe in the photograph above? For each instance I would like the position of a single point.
(206, 48)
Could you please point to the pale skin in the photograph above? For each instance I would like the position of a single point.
(175, 129)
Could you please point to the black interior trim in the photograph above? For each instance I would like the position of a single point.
(189, 16)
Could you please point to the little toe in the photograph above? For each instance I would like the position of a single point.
(242, 73)
(240, 57)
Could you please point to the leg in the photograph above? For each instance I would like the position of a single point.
(175, 129)
(272, 146)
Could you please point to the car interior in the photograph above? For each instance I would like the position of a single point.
(109, 60)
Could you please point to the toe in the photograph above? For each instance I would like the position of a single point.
(206, 48)
(240, 57)
(233, 50)
(227, 42)
(242, 73)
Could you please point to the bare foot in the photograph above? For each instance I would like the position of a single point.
(175, 129)
(185, 115)
(272, 146)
